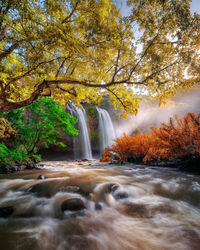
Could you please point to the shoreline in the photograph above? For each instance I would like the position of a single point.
(191, 166)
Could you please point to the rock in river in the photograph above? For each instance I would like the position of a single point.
(41, 177)
(121, 195)
(73, 204)
(6, 211)
(42, 190)
(112, 187)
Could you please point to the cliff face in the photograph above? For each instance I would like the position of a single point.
(93, 121)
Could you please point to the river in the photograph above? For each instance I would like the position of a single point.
(126, 207)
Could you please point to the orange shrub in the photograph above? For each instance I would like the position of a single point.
(107, 156)
(180, 138)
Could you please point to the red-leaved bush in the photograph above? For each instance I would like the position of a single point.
(179, 139)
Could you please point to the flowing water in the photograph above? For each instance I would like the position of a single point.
(106, 129)
(138, 208)
(81, 143)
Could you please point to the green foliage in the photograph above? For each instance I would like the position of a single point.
(48, 120)
(41, 123)
(9, 156)
(92, 112)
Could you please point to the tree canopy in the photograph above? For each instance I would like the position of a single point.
(83, 49)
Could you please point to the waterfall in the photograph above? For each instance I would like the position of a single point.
(106, 129)
(81, 143)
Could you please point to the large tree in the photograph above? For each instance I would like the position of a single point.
(84, 49)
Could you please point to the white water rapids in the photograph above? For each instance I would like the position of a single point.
(159, 211)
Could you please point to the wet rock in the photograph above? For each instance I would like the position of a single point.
(112, 187)
(31, 165)
(73, 204)
(5, 212)
(4, 170)
(118, 161)
(41, 177)
(15, 168)
(84, 160)
(98, 206)
(42, 190)
(41, 165)
(121, 195)
(9, 169)
(22, 167)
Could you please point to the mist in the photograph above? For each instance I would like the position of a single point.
(150, 114)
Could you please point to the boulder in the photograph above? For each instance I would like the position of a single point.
(41, 165)
(5, 212)
(84, 160)
(41, 177)
(42, 190)
(30, 165)
(98, 206)
(121, 195)
(72, 204)
(112, 187)
(9, 169)
(118, 161)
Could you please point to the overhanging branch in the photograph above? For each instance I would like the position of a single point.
(46, 84)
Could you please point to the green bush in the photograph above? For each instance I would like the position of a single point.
(93, 113)
(11, 156)
(40, 123)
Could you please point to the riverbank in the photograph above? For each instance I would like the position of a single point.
(7, 169)
(190, 165)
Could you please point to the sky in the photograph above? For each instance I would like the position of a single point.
(195, 6)
(150, 114)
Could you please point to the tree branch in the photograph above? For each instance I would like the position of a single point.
(8, 51)
(71, 91)
(158, 71)
(109, 90)
(7, 105)
(67, 19)
(32, 69)
(116, 66)
(59, 69)
(143, 55)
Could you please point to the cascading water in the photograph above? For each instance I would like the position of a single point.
(106, 129)
(81, 143)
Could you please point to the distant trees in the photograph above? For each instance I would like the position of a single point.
(72, 49)
(179, 139)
